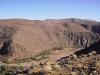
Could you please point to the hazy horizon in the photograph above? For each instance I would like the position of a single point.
(49, 9)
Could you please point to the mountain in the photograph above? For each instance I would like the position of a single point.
(22, 38)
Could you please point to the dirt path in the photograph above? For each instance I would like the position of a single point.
(57, 54)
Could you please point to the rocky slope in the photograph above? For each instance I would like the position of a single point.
(21, 38)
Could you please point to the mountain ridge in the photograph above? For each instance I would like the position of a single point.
(33, 36)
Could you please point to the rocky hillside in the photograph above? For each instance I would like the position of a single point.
(21, 38)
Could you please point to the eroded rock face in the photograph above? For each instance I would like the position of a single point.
(81, 39)
(6, 33)
(24, 38)
(94, 27)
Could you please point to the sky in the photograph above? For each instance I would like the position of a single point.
(50, 9)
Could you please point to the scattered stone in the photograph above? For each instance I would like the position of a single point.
(47, 68)
(74, 56)
(74, 73)
(90, 54)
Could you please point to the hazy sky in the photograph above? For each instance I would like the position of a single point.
(50, 9)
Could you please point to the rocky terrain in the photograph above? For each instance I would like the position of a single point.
(55, 47)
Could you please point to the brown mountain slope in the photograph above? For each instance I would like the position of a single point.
(20, 38)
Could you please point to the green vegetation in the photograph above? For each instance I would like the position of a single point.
(8, 61)
(22, 60)
(9, 70)
(5, 70)
(42, 55)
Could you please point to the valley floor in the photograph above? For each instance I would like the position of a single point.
(83, 64)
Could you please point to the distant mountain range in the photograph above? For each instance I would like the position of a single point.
(21, 38)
